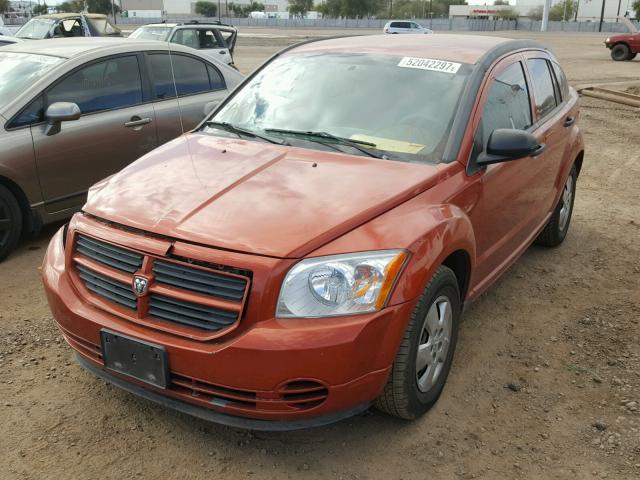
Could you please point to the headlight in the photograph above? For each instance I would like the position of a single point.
(607, 40)
(340, 284)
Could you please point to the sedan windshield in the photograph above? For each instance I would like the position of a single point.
(36, 28)
(20, 69)
(401, 108)
(152, 33)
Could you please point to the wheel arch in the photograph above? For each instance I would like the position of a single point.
(30, 222)
(460, 263)
(578, 161)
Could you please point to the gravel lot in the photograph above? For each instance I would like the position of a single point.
(546, 382)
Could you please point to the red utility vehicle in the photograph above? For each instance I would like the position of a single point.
(626, 45)
(308, 250)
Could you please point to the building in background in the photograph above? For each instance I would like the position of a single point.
(588, 10)
(185, 8)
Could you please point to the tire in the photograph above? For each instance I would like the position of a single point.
(10, 222)
(556, 230)
(402, 395)
(620, 52)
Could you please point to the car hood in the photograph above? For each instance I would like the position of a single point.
(254, 197)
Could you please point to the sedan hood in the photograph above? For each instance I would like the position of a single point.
(254, 197)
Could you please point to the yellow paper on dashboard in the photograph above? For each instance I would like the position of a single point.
(389, 144)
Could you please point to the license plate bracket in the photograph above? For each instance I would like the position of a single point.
(138, 359)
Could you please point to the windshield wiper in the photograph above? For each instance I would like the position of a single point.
(357, 144)
(242, 131)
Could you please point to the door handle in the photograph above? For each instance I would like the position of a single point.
(538, 150)
(137, 122)
(222, 52)
(569, 121)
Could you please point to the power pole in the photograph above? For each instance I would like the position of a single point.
(113, 11)
(575, 19)
(545, 16)
(604, 2)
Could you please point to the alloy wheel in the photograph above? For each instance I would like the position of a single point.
(435, 340)
(565, 209)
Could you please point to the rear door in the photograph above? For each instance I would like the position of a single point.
(116, 128)
(196, 84)
(553, 120)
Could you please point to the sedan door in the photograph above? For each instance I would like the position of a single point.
(116, 128)
(196, 84)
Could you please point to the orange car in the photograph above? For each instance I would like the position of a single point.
(308, 249)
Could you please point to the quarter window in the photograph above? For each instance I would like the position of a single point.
(562, 80)
(107, 85)
(545, 100)
(507, 104)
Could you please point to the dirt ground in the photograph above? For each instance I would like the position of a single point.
(545, 384)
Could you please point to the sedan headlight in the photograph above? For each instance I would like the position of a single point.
(340, 284)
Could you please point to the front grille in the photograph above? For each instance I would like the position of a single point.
(115, 257)
(198, 280)
(108, 288)
(191, 314)
(196, 301)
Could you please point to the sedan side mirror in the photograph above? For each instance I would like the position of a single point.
(509, 144)
(60, 112)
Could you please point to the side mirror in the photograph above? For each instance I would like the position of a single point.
(60, 112)
(509, 144)
(210, 107)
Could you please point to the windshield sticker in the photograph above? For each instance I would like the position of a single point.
(429, 64)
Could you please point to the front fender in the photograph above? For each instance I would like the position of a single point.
(429, 232)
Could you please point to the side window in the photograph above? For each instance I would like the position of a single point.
(543, 93)
(187, 37)
(106, 85)
(225, 37)
(208, 39)
(562, 80)
(192, 76)
(507, 104)
(33, 113)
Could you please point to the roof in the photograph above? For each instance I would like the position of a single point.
(67, 15)
(77, 46)
(454, 48)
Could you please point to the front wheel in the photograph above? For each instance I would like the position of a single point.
(556, 230)
(10, 222)
(424, 358)
(620, 52)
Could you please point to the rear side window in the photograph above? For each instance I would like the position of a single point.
(563, 84)
(507, 104)
(543, 94)
(106, 85)
(400, 24)
(192, 76)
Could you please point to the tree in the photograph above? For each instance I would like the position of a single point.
(100, 6)
(558, 13)
(4, 6)
(636, 8)
(299, 8)
(72, 6)
(40, 9)
(207, 9)
(501, 2)
(509, 13)
(536, 13)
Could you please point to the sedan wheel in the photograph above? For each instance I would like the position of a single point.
(10, 222)
(556, 230)
(425, 355)
(620, 52)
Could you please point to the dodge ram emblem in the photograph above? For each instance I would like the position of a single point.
(140, 286)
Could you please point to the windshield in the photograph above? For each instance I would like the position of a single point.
(402, 109)
(152, 33)
(36, 28)
(20, 69)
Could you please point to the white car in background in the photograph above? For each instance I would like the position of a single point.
(405, 27)
(213, 39)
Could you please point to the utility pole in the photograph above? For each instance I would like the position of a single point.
(545, 16)
(604, 2)
(113, 11)
(219, 8)
(575, 18)
(619, 5)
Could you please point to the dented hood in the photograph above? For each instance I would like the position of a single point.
(254, 197)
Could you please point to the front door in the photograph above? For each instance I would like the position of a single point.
(115, 129)
(508, 194)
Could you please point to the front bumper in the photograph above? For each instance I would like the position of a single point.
(243, 379)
